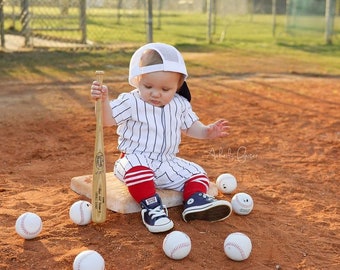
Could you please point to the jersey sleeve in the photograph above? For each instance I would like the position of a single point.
(189, 116)
(121, 108)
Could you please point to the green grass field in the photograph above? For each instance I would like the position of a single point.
(234, 38)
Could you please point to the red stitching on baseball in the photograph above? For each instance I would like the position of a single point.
(82, 219)
(243, 255)
(83, 258)
(179, 247)
(22, 226)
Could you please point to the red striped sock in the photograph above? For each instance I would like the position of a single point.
(197, 183)
(139, 180)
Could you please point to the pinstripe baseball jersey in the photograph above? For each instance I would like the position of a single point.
(153, 131)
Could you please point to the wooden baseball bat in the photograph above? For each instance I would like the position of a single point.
(99, 171)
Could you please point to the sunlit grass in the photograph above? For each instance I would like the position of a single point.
(110, 26)
(242, 36)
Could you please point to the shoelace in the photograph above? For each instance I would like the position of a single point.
(208, 197)
(157, 212)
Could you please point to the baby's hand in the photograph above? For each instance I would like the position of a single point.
(218, 129)
(98, 91)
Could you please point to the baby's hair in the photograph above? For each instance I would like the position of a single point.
(149, 58)
(152, 57)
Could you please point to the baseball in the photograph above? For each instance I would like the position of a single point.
(242, 203)
(226, 183)
(81, 212)
(177, 245)
(89, 260)
(237, 246)
(28, 225)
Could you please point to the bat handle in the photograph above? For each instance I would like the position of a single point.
(100, 76)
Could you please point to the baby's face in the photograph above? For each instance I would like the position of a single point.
(158, 88)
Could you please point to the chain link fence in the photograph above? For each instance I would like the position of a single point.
(116, 23)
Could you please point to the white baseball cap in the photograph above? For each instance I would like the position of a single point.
(172, 61)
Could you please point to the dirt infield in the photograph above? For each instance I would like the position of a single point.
(283, 148)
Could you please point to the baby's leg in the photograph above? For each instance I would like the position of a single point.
(197, 203)
(139, 179)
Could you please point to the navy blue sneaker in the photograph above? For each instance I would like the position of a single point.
(204, 207)
(155, 215)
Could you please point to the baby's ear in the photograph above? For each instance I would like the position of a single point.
(184, 91)
(138, 78)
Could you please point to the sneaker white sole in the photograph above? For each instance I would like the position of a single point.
(215, 211)
(159, 228)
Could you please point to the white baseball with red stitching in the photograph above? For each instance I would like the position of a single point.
(242, 203)
(237, 246)
(89, 260)
(81, 212)
(28, 225)
(177, 245)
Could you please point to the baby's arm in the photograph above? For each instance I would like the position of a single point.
(215, 130)
(101, 92)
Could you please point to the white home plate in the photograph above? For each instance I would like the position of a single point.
(118, 197)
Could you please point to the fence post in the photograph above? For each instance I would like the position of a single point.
(2, 19)
(83, 21)
(119, 7)
(210, 10)
(274, 17)
(329, 14)
(160, 5)
(149, 22)
(26, 21)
